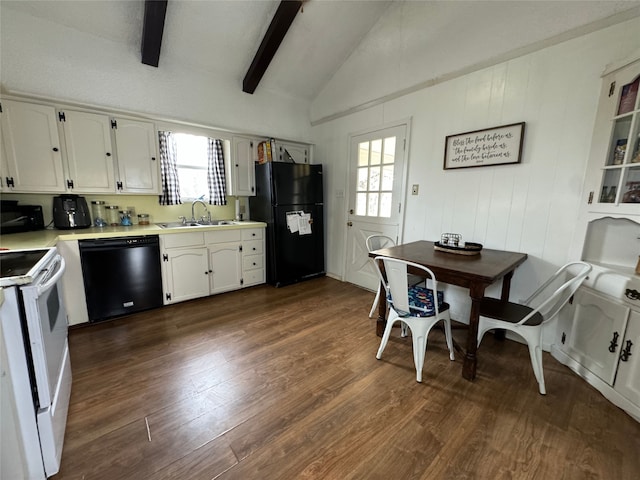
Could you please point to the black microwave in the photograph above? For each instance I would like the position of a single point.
(16, 218)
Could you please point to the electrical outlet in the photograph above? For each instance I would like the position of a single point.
(414, 189)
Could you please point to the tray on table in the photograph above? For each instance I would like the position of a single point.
(469, 248)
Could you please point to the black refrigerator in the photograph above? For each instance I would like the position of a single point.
(289, 200)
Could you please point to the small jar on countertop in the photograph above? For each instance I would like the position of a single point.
(113, 215)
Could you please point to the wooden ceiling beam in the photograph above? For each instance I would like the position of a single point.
(152, 28)
(278, 28)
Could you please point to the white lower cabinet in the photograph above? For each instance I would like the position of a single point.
(628, 378)
(253, 268)
(185, 274)
(225, 272)
(599, 338)
(596, 333)
(205, 263)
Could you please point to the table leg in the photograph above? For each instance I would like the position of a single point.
(382, 313)
(470, 360)
(500, 334)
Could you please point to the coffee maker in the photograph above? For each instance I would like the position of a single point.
(70, 211)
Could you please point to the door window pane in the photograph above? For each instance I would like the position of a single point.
(363, 154)
(387, 177)
(385, 204)
(361, 204)
(374, 179)
(363, 174)
(375, 172)
(372, 205)
(376, 152)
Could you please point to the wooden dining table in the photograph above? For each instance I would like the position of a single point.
(475, 272)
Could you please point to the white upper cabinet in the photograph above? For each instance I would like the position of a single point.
(613, 175)
(241, 173)
(31, 148)
(89, 152)
(137, 156)
(291, 152)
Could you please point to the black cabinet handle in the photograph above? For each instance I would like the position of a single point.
(55, 149)
(108, 154)
(626, 353)
(614, 343)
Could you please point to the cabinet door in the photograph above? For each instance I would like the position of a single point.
(613, 175)
(88, 141)
(628, 378)
(31, 146)
(137, 156)
(226, 267)
(242, 174)
(185, 273)
(596, 333)
(4, 166)
(292, 152)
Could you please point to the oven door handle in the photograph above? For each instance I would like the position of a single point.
(48, 285)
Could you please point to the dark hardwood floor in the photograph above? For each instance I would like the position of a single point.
(269, 383)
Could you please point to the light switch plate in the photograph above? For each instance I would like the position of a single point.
(414, 189)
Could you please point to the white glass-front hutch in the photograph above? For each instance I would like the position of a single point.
(614, 168)
(598, 334)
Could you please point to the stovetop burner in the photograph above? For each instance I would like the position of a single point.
(13, 264)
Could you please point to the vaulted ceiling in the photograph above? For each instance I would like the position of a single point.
(222, 37)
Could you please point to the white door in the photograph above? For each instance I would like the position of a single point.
(376, 173)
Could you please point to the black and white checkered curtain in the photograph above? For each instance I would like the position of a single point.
(169, 170)
(215, 173)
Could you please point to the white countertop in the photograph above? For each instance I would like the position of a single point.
(48, 238)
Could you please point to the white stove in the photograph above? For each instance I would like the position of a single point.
(37, 373)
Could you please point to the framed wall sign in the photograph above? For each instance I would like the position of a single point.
(481, 148)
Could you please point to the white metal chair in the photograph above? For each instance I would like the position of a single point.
(376, 242)
(528, 321)
(419, 308)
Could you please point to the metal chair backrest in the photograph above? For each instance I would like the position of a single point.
(550, 307)
(394, 280)
(376, 242)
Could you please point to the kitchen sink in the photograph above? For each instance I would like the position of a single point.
(195, 224)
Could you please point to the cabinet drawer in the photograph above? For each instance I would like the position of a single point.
(222, 236)
(176, 240)
(251, 262)
(252, 233)
(253, 277)
(253, 247)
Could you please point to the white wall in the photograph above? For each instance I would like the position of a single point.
(530, 207)
(51, 60)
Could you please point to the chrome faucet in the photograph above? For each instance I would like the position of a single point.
(193, 215)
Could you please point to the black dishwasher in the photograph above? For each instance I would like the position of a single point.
(121, 275)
